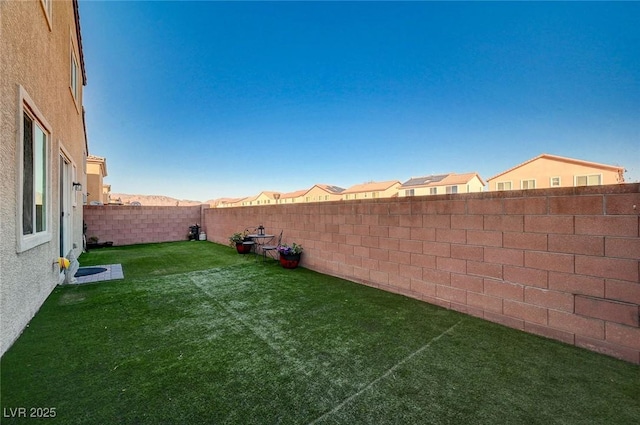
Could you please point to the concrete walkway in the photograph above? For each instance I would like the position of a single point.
(114, 271)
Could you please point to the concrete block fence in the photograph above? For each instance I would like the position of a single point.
(128, 225)
(561, 263)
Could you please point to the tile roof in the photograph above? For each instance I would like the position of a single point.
(371, 186)
(331, 188)
(335, 190)
(295, 194)
(100, 161)
(454, 178)
(441, 180)
(563, 159)
(425, 180)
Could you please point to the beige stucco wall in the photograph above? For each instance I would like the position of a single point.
(317, 194)
(261, 199)
(94, 188)
(372, 194)
(36, 57)
(472, 186)
(543, 169)
(96, 171)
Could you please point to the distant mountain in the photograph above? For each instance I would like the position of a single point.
(156, 200)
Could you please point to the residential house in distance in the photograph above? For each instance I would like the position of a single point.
(386, 189)
(545, 171)
(323, 192)
(223, 202)
(292, 197)
(263, 198)
(43, 153)
(442, 184)
(96, 172)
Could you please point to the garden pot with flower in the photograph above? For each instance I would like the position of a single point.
(290, 255)
(242, 243)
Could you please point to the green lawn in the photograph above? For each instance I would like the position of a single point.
(197, 334)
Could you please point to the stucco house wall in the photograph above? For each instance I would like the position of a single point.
(37, 43)
(543, 168)
(96, 172)
(320, 194)
(464, 183)
(372, 190)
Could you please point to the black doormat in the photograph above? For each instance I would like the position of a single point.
(87, 271)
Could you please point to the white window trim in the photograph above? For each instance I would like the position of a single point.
(535, 184)
(47, 8)
(73, 58)
(503, 182)
(74, 178)
(74, 173)
(551, 181)
(26, 242)
(575, 178)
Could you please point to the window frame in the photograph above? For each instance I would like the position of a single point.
(451, 190)
(553, 178)
(503, 183)
(26, 242)
(528, 181)
(47, 9)
(75, 75)
(575, 179)
(433, 191)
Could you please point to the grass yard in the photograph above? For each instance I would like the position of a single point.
(197, 334)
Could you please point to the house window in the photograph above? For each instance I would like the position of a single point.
(555, 182)
(375, 194)
(589, 180)
(409, 192)
(452, 189)
(433, 191)
(503, 186)
(527, 184)
(75, 73)
(35, 178)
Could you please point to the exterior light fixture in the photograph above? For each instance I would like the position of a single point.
(77, 186)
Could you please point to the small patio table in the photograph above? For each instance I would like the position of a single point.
(260, 239)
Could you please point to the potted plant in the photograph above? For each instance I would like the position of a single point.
(242, 243)
(92, 243)
(290, 255)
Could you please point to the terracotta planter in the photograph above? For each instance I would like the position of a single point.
(289, 261)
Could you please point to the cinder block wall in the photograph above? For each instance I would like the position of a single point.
(128, 225)
(561, 263)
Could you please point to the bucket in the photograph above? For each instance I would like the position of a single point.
(203, 236)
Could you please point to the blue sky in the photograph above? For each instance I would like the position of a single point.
(201, 100)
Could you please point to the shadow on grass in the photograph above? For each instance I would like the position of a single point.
(199, 334)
